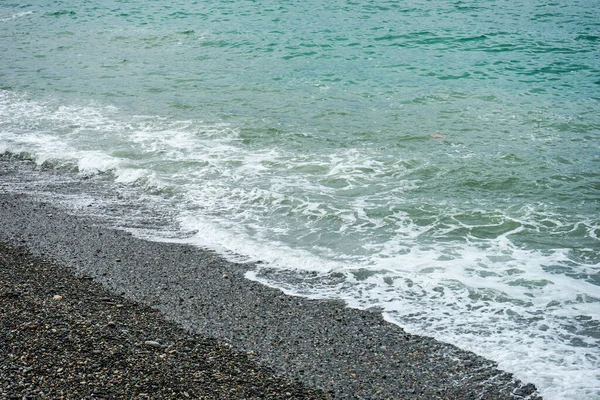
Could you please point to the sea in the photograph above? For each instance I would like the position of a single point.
(438, 162)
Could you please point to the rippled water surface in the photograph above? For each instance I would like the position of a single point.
(299, 134)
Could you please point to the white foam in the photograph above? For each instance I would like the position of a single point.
(130, 175)
(515, 316)
(300, 213)
(239, 247)
(95, 161)
(15, 16)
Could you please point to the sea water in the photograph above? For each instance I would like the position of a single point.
(298, 133)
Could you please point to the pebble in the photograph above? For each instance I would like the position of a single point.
(322, 367)
(57, 297)
(37, 364)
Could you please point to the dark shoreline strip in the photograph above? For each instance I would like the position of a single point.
(322, 344)
(64, 336)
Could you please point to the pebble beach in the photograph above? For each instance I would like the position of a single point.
(89, 311)
(374, 200)
(87, 343)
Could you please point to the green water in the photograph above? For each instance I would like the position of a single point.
(299, 133)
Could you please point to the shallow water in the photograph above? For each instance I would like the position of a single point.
(299, 134)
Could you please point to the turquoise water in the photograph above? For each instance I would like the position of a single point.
(299, 134)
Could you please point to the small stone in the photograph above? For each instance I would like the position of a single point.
(118, 260)
(152, 343)
(57, 297)
(110, 324)
(172, 351)
(32, 326)
(225, 276)
(119, 306)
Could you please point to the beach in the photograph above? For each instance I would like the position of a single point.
(88, 343)
(189, 302)
(336, 187)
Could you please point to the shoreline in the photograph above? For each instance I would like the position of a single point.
(65, 336)
(321, 344)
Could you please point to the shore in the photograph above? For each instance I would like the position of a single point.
(195, 303)
(64, 336)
